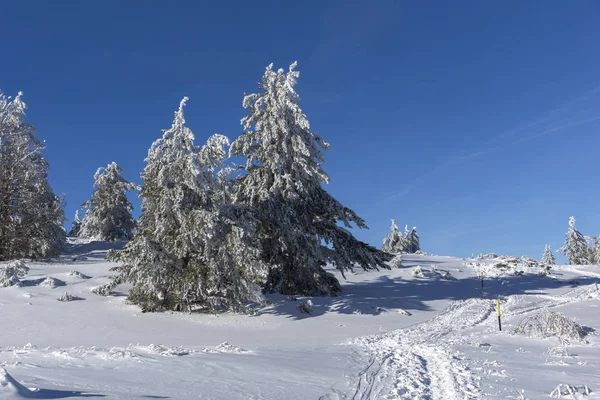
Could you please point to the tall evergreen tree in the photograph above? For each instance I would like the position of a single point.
(548, 256)
(76, 225)
(193, 249)
(393, 239)
(109, 217)
(594, 252)
(575, 248)
(283, 185)
(31, 215)
(415, 241)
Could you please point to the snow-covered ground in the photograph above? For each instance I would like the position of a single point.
(390, 335)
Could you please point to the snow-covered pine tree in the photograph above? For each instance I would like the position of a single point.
(109, 217)
(283, 184)
(575, 248)
(594, 252)
(415, 244)
(193, 249)
(548, 256)
(391, 241)
(76, 225)
(31, 215)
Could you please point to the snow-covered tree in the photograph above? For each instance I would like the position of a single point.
(575, 248)
(192, 249)
(76, 225)
(31, 215)
(109, 217)
(415, 244)
(393, 239)
(397, 242)
(594, 251)
(282, 183)
(548, 256)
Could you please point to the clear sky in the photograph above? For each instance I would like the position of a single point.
(478, 121)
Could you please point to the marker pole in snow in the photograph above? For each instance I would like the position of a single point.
(482, 293)
(498, 310)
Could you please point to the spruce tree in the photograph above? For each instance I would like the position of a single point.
(548, 256)
(193, 250)
(594, 252)
(109, 217)
(415, 244)
(76, 225)
(283, 184)
(575, 248)
(31, 215)
(391, 241)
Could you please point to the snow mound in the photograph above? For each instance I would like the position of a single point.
(118, 354)
(79, 275)
(11, 389)
(168, 351)
(52, 282)
(492, 266)
(225, 347)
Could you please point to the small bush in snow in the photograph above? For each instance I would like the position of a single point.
(545, 271)
(396, 262)
(68, 297)
(418, 272)
(305, 307)
(550, 323)
(11, 273)
(446, 276)
(569, 390)
(104, 290)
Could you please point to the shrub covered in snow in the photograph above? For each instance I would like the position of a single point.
(106, 289)
(305, 307)
(68, 297)
(11, 273)
(418, 272)
(563, 390)
(551, 323)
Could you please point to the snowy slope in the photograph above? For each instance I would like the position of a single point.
(389, 335)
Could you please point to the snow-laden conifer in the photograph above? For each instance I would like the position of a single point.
(392, 240)
(283, 184)
(594, 251)
(548, 256)
(109, 211)
(415, 241)
(192, 249)
(31, 215)
(398, 243)
(575, 248)
(76, 225)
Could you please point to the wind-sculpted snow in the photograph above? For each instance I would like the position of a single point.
(388, 335)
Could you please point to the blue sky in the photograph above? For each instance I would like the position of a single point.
(478, 122)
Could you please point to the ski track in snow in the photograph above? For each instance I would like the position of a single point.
(414, 363)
